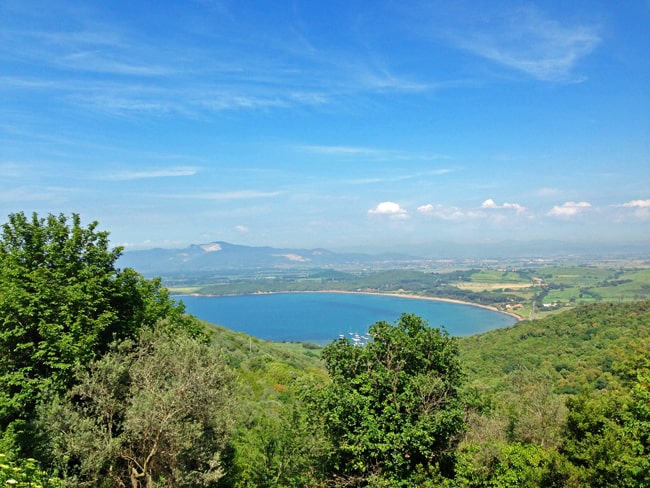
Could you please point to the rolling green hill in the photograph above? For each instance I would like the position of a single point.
(575, 348)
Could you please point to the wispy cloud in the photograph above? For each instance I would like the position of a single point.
(546, 192)
(386, 81)
(15, 82)
(98, 49)
(134, 77)
(116, 69)
(227, 195)
(155, 173)
(341, 150)
(185, 98)
(527, 40)
(11, 170)
(99, 63)
(372, 153)
(35, 194)
(397, 178)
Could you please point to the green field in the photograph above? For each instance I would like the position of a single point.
(576, 275)
(498, 276)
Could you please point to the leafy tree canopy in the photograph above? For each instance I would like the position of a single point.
(392, 409)
(608, 432)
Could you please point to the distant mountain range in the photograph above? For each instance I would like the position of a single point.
(223, 256)
(226, 257)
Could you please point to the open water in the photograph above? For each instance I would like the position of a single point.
(323, 317)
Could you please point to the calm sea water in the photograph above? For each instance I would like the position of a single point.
(322, 317)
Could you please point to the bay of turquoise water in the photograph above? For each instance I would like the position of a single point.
(323, 317)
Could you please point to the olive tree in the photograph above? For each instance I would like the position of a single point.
(157, 413)
(392, 409)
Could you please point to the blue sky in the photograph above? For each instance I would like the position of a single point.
(337, 124)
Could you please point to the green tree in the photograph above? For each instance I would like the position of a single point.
(278, 446)
(510, 465)
(62, 302)
(536, 415)
(277, 442)
(157, 414)
(392, 410)
(608, 432)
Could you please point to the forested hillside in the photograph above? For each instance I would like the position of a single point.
(105, 381)
(576, 349)
(561, 401)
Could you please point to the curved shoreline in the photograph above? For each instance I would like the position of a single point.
(396, 295)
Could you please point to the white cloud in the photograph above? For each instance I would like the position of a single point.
(391, 209)
(517, 207)
(637, 204)
(490, 204)
(641, 208)
(442, 212)
(489, 209)
(242, 228)
(568, 209)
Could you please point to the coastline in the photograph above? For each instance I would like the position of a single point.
(396, 295)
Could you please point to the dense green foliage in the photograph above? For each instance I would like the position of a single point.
(608, 432)
(562, 401)
(277, 442)
(392, 409)
(575, 348)
(64, 307)
(62, 302)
